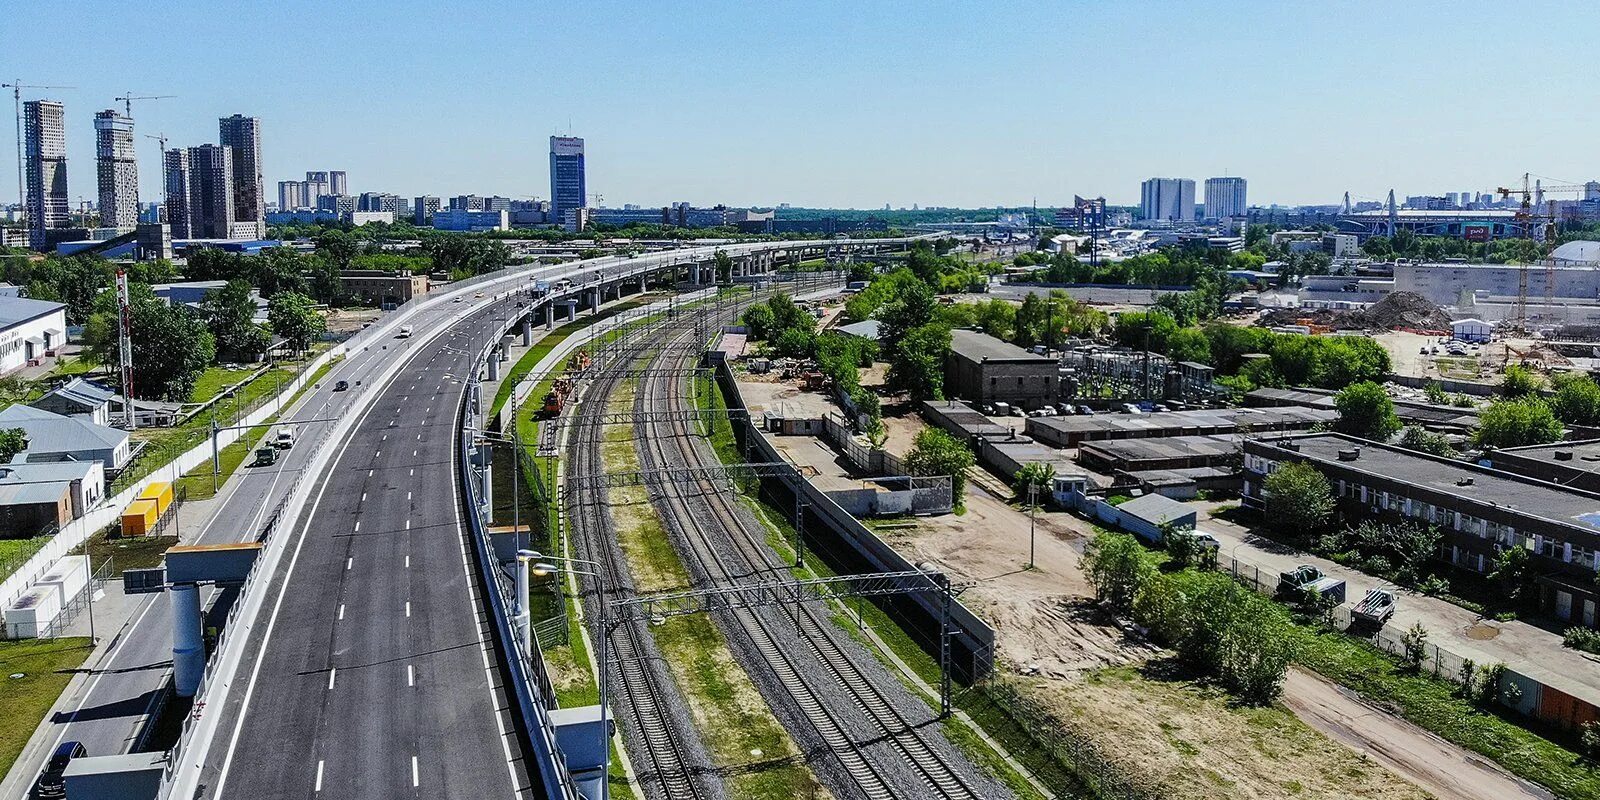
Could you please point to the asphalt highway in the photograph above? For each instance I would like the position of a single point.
(375, 675)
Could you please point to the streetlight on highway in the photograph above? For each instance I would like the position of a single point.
(545, 565)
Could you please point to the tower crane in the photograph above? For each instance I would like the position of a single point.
(127, 101)
(16, 87)
(1540, 227)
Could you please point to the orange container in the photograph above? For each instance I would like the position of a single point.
(140, 517)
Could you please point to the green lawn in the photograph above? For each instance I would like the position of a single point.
(46, 666)
(214, 380)
(133, 552)
(16, 552)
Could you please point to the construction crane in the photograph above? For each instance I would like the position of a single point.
(597, 197)
(1539, 227)
(127, 101)
(16, 88)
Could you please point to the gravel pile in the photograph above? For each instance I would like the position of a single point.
(1396, 310)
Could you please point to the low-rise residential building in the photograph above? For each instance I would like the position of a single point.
(1069, 431)
(53, 437)
(83, 481)
(80, 396)
(383, 288)
(984, 369)
(1478, 510)
(29, 330)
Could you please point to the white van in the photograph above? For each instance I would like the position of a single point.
(405, 332)
(285, 438)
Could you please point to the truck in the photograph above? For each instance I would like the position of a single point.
(285, 438)
(1308, 578)
(405, 332)
(1375, 608)
(266, 456)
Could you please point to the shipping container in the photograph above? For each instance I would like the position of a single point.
(161, 492)
(67, 577)
(31, 614)
(140, 518)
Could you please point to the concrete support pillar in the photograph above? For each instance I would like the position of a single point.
(527, 331)
(643, 282)
(188, 649)
(523, 623)
(494, 364)
(594, 302)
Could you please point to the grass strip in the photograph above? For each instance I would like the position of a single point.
(46, 666)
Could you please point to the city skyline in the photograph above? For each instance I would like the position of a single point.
(1279, 105)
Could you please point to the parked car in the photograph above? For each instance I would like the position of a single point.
(52, 782)
(1129, 408)
(341, 386)
(1046, 411)
(1162, 407)
(1066, 409)
(1086, 411)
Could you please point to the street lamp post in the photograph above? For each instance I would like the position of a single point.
(543, 565)
(1033, 508)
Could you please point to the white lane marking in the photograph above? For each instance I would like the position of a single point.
(419, 437)
(379, 453)
(408, 524)
(412, 471)
(408, 608)
(363, 497)
(358, 526)
(414, 780)
(369, 473)
(383, 438)
(413, 453)
(318, 787)
(331, 672)
(348, 562)
(408, 562)
(411, 676)
(341, 611)
(408, 495)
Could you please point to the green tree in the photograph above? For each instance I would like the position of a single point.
(1365, 410)
(1036, 475)
(1435, 393)
(294, 317)
(230, 314)
(915, 306)
(1299, 499)
(1415, 437)
(280, 269)
(758, 318)
(325, 281)
(1577, 400)
(1519, 381)
(1189, 344)
(1517, 422)
(724, 264)
(1513, 570)
(338, 248)
(916, 364)
(12, 442)
(937, 453)
(171, 348)
(1117, 568)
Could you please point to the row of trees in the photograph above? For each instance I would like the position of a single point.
(1292, 359)
(1215, 625)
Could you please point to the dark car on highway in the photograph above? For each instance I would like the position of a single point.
(341, 386)
(52, 783)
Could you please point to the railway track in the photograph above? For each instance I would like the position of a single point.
(708, 514)
(677, 765)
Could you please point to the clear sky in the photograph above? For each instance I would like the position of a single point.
(840, 103)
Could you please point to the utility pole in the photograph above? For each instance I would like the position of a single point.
(1033, 508)
(125, 348)
(16, 88)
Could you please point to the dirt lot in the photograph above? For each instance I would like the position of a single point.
(1111, 684)
(345, 322)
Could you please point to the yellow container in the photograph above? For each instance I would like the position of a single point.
(140, 518)
(161, 492)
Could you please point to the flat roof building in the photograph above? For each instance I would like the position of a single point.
(53, 437)
(1069, 431)
(986, 370)
(29, 330)
(1480, 511)
(1572, 464)
(383, 288)
(567, 187)
(1174, 452)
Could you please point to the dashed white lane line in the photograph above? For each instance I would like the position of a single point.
(358, 526)
(318, 787)
(408, 608)
(331, 672)
(341, 611)
(369, 473)
(348, 562)
(363, 497)
(408, 524)
(413, 454)
(412, 471)
(408, 495)
(379, 453)
(411, 676)
(408, 562)
(419, 437)
(414, 778)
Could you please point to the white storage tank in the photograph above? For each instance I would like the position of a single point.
(68, 576)
(31, 614)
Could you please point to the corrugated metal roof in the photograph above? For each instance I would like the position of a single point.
(54, 433)
(21, 309)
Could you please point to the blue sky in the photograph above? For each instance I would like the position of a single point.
(841, 103)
